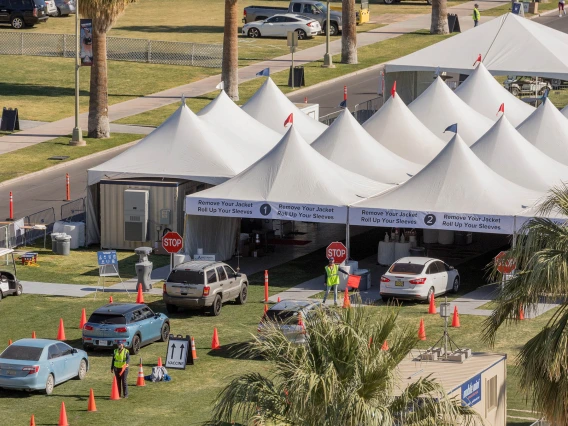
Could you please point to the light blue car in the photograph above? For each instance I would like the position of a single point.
(40, 364)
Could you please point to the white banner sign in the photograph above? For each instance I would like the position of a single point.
(265, 210)
(432, 220)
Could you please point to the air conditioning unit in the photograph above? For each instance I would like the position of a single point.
(135, 215)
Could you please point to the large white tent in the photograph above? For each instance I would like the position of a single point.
(347, 144)
(293, 182)
(506, 152)
(234, 123)
(396, 128)
(271, 107)
(455, 191)
(485, 95)
(564, 111)
(547, 129)
(439, 107)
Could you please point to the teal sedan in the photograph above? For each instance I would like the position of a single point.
(41, 364)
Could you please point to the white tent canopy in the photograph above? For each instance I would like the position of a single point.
(485, 95)
(271, 107)
(547, 129)
(564, 111)
(506, 152)
(347, 144)
(438, 107)
(396, 128)
(509, 45)
(455, 191)
(292, 181)
(183, 147)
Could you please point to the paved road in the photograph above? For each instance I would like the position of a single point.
(554, 21)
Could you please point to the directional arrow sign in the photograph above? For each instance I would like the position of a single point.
(178, 355)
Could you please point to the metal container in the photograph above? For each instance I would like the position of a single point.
(54, 236)
(144, 272)
(417, 252)
(64, 245)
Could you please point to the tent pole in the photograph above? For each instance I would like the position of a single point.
(347, 242)
(514, 231)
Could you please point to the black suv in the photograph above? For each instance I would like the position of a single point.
(19, 13)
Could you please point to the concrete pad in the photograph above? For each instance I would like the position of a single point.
(52, 289)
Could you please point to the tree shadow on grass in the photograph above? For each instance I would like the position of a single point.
(185, 29)
(20, 89)
(233, 351)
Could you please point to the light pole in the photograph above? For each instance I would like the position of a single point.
(327, 61)
(77, 139)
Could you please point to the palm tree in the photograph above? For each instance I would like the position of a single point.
(541, 254)
(104, 14)
(230, 70)
(439, 23)
(348, 33)
(341, 376)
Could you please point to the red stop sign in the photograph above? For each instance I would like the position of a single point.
(336, 250)
(172, 242)
(505, 266)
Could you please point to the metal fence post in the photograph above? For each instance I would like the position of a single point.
(149, 60)
(64, 45)
(22, 44)
(192, 52)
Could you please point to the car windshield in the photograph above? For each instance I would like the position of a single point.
(284, 316)
(107, 319)
(183, 276)
(321, 7)
(22, 353)
(406, 268)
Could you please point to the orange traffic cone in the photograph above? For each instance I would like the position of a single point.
(265, 309)
(521, 314)
(61, 331)
(92, 405)
(159, 361)
(114, 395)
(385, 346)
(421, 330)
(140, 381)
(300, 320)
(9, 342)
(110, 300)
(32, 421)
(33, 335)
(278, 299)
(140, 297)
(346, 301)
(63, 416)
(193, 351)
(456, 318)
(215, 341)
(432, 307)
(83, 319)
(370, 341)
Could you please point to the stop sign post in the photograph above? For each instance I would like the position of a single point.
(337, 251)
(172, 243)
(505, 266)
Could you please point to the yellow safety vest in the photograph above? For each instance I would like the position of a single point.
(120, 358)
(332, 275)
(476, 14)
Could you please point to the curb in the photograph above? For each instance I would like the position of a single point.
(66, 164)
(548, 12)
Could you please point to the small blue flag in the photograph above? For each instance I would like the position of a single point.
(544, 95)
(264, 73)
(452, 128)
(343, 104)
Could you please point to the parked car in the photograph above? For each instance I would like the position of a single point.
(315, 10)
(398, 1)
(526, 85)
(133, 324)
(22, 13)
(203, 284)
(285, 315)
(40, 364)
(416, 278)
(280, 25)
(50, 7)
(9, 284)
(64, 7)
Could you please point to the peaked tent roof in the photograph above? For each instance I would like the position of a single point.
(271, 107)
(396, 128)
(547, 129)
(509, 45)
(506, 152)
(347, 144)
(564, 111)
(291, 177)
(438, 107)
(183, 147)
(229, 118)
(485, 95)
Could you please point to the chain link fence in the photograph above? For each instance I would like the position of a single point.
(74, 211)
(118, 49)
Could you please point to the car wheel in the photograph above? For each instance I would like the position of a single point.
(215, 308)
(49, 384)
(333, 29)
(301, 34)
(430, 293)
(0, 295)
(515, 91)
(82, 370)
(388, 1)
(57, 12)
(456, 285)
(135, 344)
(165, 332)
(19, 289)
(253, 33)
(172, 309)
(242, 299)
(17, 22)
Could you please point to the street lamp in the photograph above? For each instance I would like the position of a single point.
(327, 61)
(77, 139)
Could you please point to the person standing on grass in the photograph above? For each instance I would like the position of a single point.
(119, 366)
(561, 10)
(332, 279)
(477, 15)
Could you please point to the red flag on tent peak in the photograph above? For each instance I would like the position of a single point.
(289, 120)
(393, 90)
(478, 59)
(501, 109)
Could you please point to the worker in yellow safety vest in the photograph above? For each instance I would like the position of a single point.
(332, 279)
(476, 15)
(119, 367)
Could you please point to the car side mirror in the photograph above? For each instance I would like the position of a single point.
(74, 351)
(238, 274)
(156, 316)
(451, 268)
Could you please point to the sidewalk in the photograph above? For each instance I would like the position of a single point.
(64, 127)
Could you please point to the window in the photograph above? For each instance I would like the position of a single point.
(433, 268)
(296, 7)
(406, 268)
(221, 273)
(491, 390)
(308, 8)
(147, 313)
(271, 20)
(211, 276)
(107, 319)
(53, 352)
(137, 316)
(230, 271)
(64, 349)
(184, 276)
(441, 267)
(22, 353)
(291, 19)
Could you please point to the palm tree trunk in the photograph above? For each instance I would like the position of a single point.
(98, 99)
(230, 70)
(349, 33)
(439, 23)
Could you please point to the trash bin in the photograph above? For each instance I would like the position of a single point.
(365, 283)
(63, 245)
(299, 79)
(144, 267)
(417, 252)
(54, 236)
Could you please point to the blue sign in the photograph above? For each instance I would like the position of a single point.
(107, 258)
(471, 391)
(517, 8)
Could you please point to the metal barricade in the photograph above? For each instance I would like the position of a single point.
(74, 211)
(44, 217)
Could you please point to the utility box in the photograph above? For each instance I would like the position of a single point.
(135, 215)
(144, 267)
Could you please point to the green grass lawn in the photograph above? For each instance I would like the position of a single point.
(500, 10)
